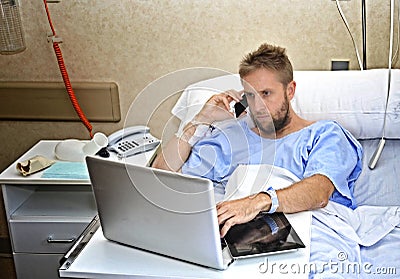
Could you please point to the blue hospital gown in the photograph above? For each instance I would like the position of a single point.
(321, 148)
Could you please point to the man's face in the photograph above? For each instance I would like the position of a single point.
(268, 101)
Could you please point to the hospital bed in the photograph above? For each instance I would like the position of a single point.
(344, 244)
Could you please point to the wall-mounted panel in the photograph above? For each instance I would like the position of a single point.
(50, 101)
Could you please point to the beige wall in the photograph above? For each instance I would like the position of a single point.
(137, 41)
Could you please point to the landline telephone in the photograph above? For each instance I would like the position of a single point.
(132, 140)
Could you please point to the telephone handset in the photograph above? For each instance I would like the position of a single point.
(132, 140)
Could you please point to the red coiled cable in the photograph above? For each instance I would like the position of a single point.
(65, 77)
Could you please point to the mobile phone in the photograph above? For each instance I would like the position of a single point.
(241, 106)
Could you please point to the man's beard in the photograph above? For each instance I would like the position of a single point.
(277, 123)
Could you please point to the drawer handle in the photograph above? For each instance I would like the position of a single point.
(51, 240)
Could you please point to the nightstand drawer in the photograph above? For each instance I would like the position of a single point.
(43, 266)
(46, 236)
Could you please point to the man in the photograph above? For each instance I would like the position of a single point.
(322, 154)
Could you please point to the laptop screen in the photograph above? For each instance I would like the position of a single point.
(265, 234)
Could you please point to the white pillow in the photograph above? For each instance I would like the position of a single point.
(355, 99)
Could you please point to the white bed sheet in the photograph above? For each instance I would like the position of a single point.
(355, 244)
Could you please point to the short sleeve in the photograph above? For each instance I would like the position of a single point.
(335, 153)
(208, 159)
(217, 155)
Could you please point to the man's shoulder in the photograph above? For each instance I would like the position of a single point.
(327, 125)
(332, 128)
(328, 128)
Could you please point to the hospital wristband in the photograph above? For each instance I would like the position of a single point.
(274, 199)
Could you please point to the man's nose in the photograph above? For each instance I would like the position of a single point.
(259, 105)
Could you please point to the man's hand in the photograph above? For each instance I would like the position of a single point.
(241, 211)
(217, 107)
(176, 152)
(310, 193)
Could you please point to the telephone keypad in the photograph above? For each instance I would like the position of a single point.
(135, 143)
(126, 145)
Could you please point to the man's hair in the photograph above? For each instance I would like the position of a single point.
(268, 57)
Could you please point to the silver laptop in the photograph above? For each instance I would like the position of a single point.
(175, 215)
(159, 211)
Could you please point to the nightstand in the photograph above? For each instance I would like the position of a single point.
(46, 216)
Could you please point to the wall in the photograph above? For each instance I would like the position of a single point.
(136, 42)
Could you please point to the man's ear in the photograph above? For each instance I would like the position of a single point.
(291, 89)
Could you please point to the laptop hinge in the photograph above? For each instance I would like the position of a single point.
(80, 243)
(227, 257)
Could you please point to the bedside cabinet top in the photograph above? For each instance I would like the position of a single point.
(46, 148)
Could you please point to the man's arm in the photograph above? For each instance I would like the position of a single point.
(310, 193)
(177, 150)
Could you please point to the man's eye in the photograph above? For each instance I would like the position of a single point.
(266, 93)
